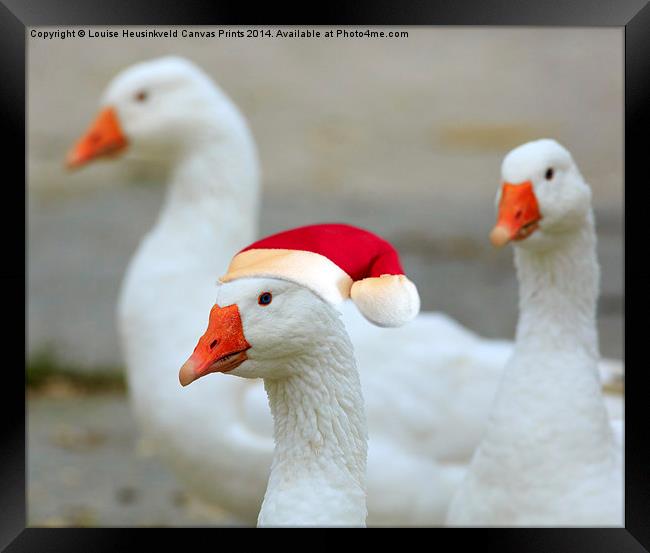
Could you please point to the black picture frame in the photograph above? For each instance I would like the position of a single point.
(17, 15)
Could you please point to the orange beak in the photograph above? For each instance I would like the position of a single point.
(221, 349)
(518, 214)
(104, 137)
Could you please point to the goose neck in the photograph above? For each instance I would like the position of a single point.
(319, 414)
(216, 172)
(319, 463)
(552, 375)
(558, 289)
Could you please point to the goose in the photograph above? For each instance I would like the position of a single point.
(275, 319)
(299, 347)
(167, 111)
(423, 427)
(550, 454)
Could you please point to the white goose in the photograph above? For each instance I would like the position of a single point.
(297, 343)
(423, 426)
(275, 319)
(170, 112)
(550, 455)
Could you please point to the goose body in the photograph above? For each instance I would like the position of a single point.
(550, 454)
(427, 422)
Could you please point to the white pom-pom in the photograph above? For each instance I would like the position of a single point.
(388, 300)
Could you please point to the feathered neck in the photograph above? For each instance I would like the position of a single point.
(320, 435)
(213, 190)
(549, 406)
(558, 289)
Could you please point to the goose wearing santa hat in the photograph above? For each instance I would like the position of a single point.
(424, 425)
(275, 319)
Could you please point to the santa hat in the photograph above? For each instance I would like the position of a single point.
(335, 262)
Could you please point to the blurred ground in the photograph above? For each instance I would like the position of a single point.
(88, 467)
(403, 136)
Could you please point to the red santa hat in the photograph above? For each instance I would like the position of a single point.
(335, 262)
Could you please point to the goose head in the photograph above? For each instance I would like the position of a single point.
(256, 326)
(543, 197)
(155, 110)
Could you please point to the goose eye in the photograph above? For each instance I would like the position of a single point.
(549, 173)
(265, 298)
(141, 96)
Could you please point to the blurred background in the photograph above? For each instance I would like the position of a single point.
(404, 136)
